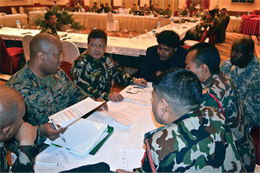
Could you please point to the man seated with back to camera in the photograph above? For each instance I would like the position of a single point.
(223, 89)
(193, 139)
(94, 70)
(166, 55)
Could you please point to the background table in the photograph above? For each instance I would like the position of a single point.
(234, 24)
(251, 24)
(10, 20)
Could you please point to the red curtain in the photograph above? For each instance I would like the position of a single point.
(188, 2)
(205, 3)
(73, 1)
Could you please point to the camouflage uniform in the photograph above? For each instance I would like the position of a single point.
(43, 100)
(145, 11)
(223, 25)
(69, 9)
(183, 13)
(158, 11)
(55, 8)
(224, 89)
(132, 12)
(201, 13)
(248, 86)
(199, 141)
(167, 12)
(50, 30)
(25, 157)
(94, 9)
(94, 76)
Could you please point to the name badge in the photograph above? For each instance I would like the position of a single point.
(109, 66)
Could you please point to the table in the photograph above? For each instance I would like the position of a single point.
(234, 24)
(10, 20)
(251, 24)
(124, 137)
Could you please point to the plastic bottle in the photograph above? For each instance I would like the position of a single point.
(172, 20)
(103, 11)
(193, 15)
(154, 32)
(18, 24)
(188, 14)
(159, 26)
(94, 27)
(248, 13)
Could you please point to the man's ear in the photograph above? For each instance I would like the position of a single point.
(41, 56)
(164, 107)
(6, 131)
(204, 69)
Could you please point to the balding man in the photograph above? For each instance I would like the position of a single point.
(244, 69)
(184, 11)
(15, 133)
(45, 87)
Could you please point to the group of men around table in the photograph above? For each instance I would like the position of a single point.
(207, 111)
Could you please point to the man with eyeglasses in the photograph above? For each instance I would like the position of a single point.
(94, 70)
(166, 55)
(50, 26)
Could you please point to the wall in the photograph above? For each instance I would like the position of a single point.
(30, 2)
(142, 2)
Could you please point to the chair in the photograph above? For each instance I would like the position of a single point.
(26, 48)
(256, 12)
(13, 10)
(21, 10)
(255, 133)
(112, 25)
(189, 43)
(175, 13)
(66, 66)
(9, 58)
(70, 51)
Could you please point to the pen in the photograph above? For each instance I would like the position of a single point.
(61, 136)
(49, 164)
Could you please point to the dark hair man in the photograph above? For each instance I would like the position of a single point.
(122, 10)
(94, 70)
(193, 139)
(145, 11)
(94, 9)
(201, 13)
(68, 8)
(224, 18)
(55, 7)
(107, 8)
(50, 26)
(244, 69)
(156, 10)
(166, 55)
(133, 9)
(203, 59)
(167, 12)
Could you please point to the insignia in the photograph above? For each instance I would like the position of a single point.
(110, 65)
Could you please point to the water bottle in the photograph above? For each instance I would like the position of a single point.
(248, 13)
(193, 15)
(172, 20)
(103, 11)
(159, 27)
(154, 32)
(188, 14)
(94, 27)
(18, 24)
(179, 19)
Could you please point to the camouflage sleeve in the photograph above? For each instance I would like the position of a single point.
(225, 67)
(121, 77)
(84, 82)
(214, 26)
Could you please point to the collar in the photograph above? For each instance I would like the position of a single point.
(210, 80)
(248, 68)
(47, 25)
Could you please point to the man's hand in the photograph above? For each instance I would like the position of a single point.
(122, 171)
(115, 97)
(26, 134)
(141, 82)
(50, 132)
(158, 73)
(103, 106)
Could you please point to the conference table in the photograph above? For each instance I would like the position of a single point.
(123, 138)
(251, 24)
(10, 20)
(234, 24)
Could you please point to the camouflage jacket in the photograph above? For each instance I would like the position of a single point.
(224, 89)
(43, 100)
(167, 12)
(199, 141)
(69, 9)
(95, 76)
(94, 9)
(132, 12)
(247, 81)
(25, 158)
(50, 30)
(145, 11)
(200, 13)
(183, 13)
(55, 8)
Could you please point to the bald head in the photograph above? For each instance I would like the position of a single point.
(42, 43)
(11, 105)
(242, 51)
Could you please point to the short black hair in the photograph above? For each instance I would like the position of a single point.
(67, 3)
(169, 5)
(95, 2)
(145, 5)
(97, 33)
(133, 4)
(169, 38)
(212, 13)
(156, 4)
(123, 4)
(48, 14)
(54, 2)
(224, 9)
(102, 5)
(206, 54)
(106, 3)
(181, 85)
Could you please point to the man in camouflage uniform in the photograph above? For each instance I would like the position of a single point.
(50, 26)
(156, 10)
(193, 139)
(201, 13)
(16, 135)
(68, 8)
(45, 87)
(211, 21)
(184, 11)
(167, 12)
(55, 7)
(94, 9)
(224, 90)
(133, 9)
(224, 18)
(244, 69)
(145, 11)
(94, 70)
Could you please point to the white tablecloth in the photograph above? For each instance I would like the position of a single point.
(10, 20)
(122, 46)
(234, 24)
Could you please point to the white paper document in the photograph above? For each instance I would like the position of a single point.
(75, 111)
(60, 156)
(128, 113)
(139, 94)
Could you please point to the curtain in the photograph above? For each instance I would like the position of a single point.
(129, 3)
(205, 3)
(159, 2)
(188, 2)
(91, 3)
(106, 1)
(174, 4)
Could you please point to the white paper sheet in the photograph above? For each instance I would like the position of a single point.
(61, 156)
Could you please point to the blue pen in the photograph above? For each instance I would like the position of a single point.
(61, 136)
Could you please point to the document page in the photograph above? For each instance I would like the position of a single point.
(139, 94)
(60, 156)
(75, 111)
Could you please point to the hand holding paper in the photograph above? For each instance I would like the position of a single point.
(49, 130)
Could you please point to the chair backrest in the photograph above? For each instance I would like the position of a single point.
(5, 57)
(14, 10)
(213, 38)
(175, 13)
(21, 10)
(110, 17)
(26, 46)
(66, 66)
(70, 51)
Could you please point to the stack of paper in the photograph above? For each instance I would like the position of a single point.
(139, 94)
